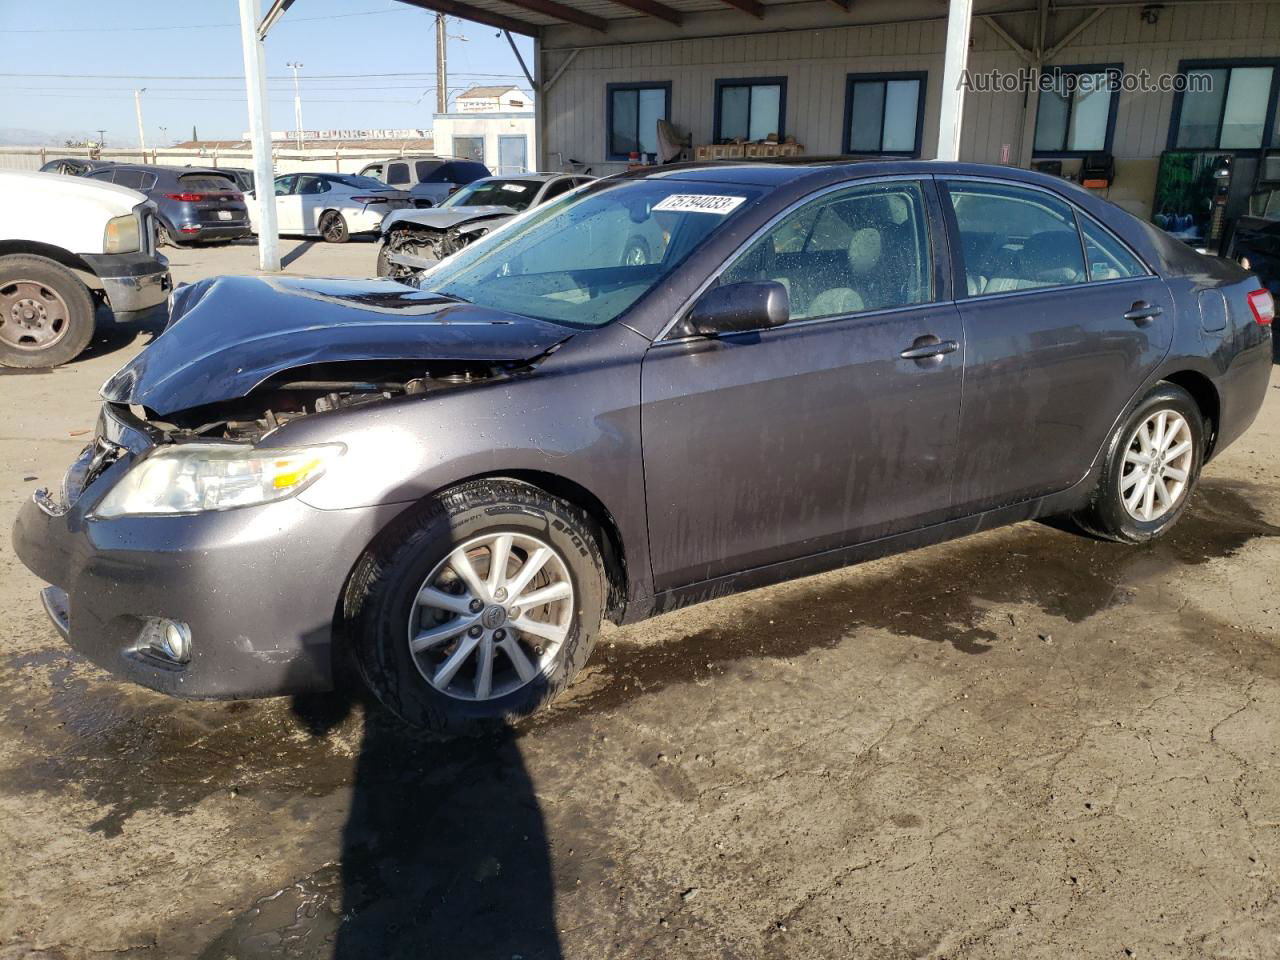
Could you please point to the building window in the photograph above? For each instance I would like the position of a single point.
(469, 148)
(1227, 105)
(634, 110)
(884, 113)
(1077, 112)
(750, 109)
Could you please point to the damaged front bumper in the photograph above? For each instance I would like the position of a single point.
(257, 587)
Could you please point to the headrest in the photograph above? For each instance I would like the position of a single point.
(864, 249)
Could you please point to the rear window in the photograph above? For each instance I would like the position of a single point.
(205, 181)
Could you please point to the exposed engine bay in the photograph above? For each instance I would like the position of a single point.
(320, 388)
(413, 248)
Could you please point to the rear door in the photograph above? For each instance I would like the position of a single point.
(1055, 346)
(767, 446)
(313, 194)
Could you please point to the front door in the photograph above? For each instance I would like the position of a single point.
(513, 155)
(1054, 345)
(288, 205)
(767, 446)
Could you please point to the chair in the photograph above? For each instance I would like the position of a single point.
(671, 142)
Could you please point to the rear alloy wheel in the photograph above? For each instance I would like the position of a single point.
(46, 313)
(482, 607)
(333, 227)
(1153, 463)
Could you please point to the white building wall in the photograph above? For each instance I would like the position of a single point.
(817, 60)
(490, 126)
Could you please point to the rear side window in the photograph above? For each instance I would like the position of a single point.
(557, 188)
(204, 181)
(1108, 258)
(397, 173)
(865, 248)
(106, 175)
(308, 186)
(1015, 239)
(129, 178)
(460, 172)
(427, 170)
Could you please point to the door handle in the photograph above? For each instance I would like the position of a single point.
(1143, 313)
(929, 347)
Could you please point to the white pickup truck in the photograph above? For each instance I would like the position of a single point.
(67, 243)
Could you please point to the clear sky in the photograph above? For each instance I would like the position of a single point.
(187, 56)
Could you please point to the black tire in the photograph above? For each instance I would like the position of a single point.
(333, 227)
(1106, 515)
(381, 596)
(384, 265)
(65, 301)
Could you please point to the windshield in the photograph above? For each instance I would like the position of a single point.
(516, 194)
(586, 258)
(359, 182)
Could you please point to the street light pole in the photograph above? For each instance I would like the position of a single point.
(297, 101)
(142, 137)
(255, 81)
(442, 68)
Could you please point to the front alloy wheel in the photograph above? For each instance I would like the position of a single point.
(482, 605)
(491, 616)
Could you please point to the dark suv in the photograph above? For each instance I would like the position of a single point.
(429, 180)
(192, 204)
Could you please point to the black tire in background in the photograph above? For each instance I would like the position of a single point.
(333, 227)
(40, 298)
(384, 265)
(383, 591)
(1106, 515)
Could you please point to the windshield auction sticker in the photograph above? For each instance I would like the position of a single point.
(699, 203)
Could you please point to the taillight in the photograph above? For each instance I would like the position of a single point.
(369, 199)
(186, 197)
(1263, 306)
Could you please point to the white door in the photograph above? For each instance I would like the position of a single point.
(288, 205)
(311, 202)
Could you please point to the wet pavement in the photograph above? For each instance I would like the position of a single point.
(1025, 744)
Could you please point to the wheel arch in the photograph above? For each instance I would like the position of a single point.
(33, 248)
(1205, 394)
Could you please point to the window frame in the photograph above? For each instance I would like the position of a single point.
(723, 83)
(1113, 107)
(609, 90)
(959, 283)
(1270, 121)
(939, 252)
(854, 78)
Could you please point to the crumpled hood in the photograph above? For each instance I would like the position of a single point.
(442, 218)
(228, 334)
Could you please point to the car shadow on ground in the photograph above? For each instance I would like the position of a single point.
(113, 335)
(444, 853)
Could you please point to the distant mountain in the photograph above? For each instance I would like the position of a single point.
(22, 137)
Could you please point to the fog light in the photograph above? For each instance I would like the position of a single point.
(167, 639)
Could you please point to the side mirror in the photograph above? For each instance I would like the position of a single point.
(737, 307)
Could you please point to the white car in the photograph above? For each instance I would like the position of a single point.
(68, 244)
(331, 205)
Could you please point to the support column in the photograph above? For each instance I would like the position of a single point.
(264, 194)
(957, 58)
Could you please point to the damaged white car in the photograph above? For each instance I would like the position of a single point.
(415, 240)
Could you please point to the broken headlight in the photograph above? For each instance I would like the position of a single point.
(196, 477)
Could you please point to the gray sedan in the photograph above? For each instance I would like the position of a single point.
(815, 364)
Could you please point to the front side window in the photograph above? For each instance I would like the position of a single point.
(1012, 238)
(284, 185)
(750, 109)
(585, 258)
(1076, 114)
(1225, 106)
(863, 248)
(883, 113)
(634, 110)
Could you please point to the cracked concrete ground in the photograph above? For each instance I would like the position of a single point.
(1023, 745)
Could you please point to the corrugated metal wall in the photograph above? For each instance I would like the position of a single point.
(817, 61)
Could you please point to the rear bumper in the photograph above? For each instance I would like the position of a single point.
(211, 231)
(134, 283)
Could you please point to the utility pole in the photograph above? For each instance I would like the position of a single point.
(442, 69)
(297, 101)
(137, 106)
(255, 81)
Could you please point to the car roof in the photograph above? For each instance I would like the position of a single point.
(539, 177)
